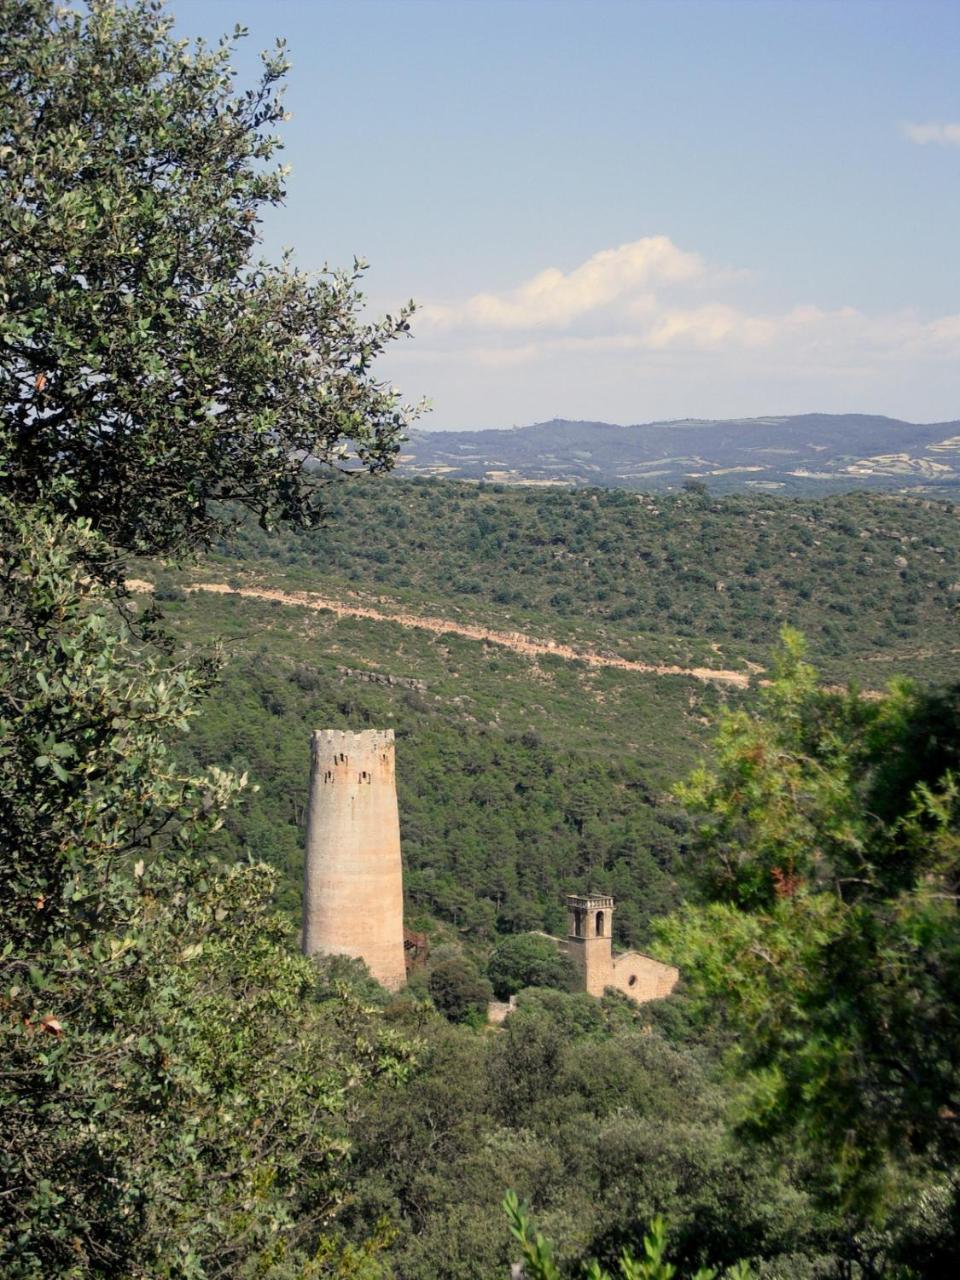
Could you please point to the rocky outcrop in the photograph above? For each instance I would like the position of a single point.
(382, 677)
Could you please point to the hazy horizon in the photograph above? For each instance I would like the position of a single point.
(426, 424)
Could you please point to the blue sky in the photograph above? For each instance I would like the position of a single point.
(632, 211)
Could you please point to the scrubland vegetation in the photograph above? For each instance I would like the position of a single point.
(867, 577)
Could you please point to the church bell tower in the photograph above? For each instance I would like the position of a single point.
(589, 941)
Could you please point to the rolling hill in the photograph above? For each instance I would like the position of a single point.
(542, 655)
(809, 453)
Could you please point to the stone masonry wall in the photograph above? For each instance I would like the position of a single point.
(642, 978)
(353, 885)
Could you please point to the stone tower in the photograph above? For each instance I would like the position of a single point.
(353, 880)
(589, 941)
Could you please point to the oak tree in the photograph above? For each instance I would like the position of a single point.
(152, 366)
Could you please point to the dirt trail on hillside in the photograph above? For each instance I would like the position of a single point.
(514, 640)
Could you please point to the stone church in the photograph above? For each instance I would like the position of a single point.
(589, 943)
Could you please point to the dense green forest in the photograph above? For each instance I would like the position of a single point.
(524, 778)
(515, 785)
(599, 1117)
(872, 580)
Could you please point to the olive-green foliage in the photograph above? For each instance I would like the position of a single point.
(170, 1086)
(528, 960)
(497, 821)
(831, 828)
(537, 1254)
(864, 576)
(520, 780)
(523, 779)
(150, 363)
(597, 1123)
(459, 991)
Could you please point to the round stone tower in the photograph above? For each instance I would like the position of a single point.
(353, 882)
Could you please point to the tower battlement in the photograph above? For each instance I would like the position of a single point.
(588, 901)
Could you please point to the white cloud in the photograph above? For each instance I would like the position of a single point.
(649, 330)
(636, 298)
(844, 336)
(713, 325)
(946, 134)
(553, 299)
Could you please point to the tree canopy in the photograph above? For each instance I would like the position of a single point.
(529, 960)
(171, 1070)
(830, 830)
(459, 991)
(169, 1078)
(152, 367)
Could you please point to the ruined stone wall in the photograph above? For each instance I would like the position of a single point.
(642, 978)
(382, 677)
(353, 880)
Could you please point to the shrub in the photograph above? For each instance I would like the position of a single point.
(459, 991)
(529, 960)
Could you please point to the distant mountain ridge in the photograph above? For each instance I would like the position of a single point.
(812, 452)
